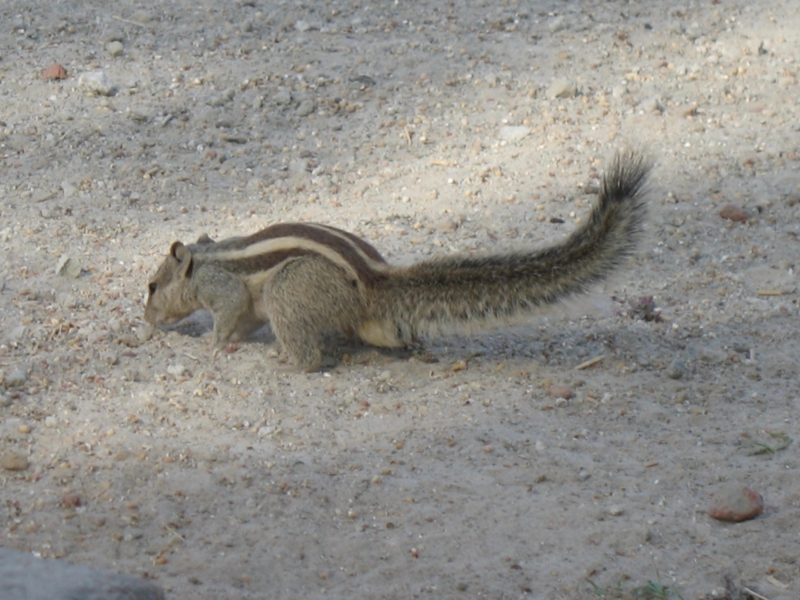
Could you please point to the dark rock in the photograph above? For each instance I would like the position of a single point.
(733, 213)
(25, 577)
(735, 502)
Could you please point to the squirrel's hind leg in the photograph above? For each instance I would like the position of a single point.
(306, 297)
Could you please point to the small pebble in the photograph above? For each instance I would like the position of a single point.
(114, 36)
(68, 267)
(96, 82)
(733, 213)
(70, 500)
(176, 370)
(651, 105)
(282, 97)
(298, 166)
(676, 369)
(513, 133)
(561, 88)
(755, 47)
(306, 107)
(557, 24)
(13, 461)
(54, 72)
(144, 333)
(17, 333)
(115, 48)
(735, 502)
(69, 188)
(560, 391)
(15, 378)
(447, 225)
(142, 16)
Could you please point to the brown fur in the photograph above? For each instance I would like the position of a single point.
(306, 279)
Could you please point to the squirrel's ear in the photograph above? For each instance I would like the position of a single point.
(177, 249)
(204, 239)
(184, 257)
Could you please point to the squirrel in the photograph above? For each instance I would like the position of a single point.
(307, 279)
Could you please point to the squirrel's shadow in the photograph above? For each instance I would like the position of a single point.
(201, 322)
(335, 345)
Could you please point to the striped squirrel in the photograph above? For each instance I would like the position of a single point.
(307, 279)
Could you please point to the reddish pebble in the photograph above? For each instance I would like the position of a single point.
(734, 213)
(560, 391)
(70, 500)
(55, 71)
(735, 502)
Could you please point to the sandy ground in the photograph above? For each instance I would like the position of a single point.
(425, 127)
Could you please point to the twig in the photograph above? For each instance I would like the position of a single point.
(173, 532)
(128, 21)
(754, 594)
(590, 363)
(442, 163)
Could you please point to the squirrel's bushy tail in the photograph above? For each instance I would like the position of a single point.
(466, 290)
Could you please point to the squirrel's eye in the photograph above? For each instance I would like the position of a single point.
(152, 288)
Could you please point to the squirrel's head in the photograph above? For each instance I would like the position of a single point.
(166, 298)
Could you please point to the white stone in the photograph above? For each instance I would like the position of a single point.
(96, 82)
(561, 88)
(513, 133)
(69, 267)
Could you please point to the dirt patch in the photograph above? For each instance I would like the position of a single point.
(425, 128)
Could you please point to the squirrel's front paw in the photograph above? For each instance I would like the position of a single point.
(227, 349)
